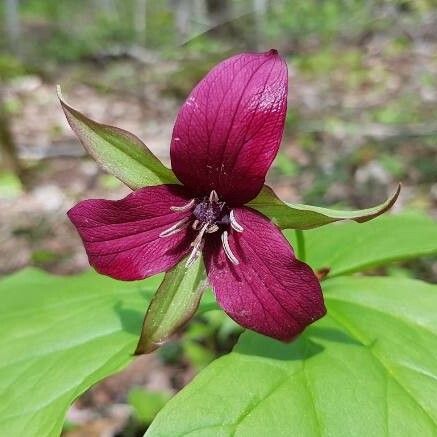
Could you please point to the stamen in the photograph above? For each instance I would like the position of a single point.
(195, 225)
(213, 197)
(227, 248)
(198, 239)
(178, 226)
(185, 207)
(194, 255)
(212, 229)
(234, 224)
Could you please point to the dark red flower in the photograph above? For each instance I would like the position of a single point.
(224, 140)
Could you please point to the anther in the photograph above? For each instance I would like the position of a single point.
(234, 224)
(185, 207)
(212, 229)
(227, 248)
(195, 225)
(194, 255)
(198, 239)
(178, 226)
(213, 197)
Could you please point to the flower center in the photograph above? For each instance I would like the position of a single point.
(209, 215)
(210, 212)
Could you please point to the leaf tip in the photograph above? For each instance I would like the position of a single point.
(59, 92)
(65, 107)
(383, 208)
(394, 197)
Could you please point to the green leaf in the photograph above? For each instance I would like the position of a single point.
(368, 368)
(295, 216)
(146, 404)
(60, 336)
(118, 151)
(351, 247)
(173, 305)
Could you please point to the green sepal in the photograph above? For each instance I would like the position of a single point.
(173, 304)
(297, 216)
(118, 151)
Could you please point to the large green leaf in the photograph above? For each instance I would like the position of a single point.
(352, 247)
(369, 368)
(118, 151)
(297, 216)
(172, 306)
(58, 337)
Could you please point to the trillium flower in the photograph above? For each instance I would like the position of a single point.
(226, 135)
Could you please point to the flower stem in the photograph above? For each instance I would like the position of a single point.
(300, 245)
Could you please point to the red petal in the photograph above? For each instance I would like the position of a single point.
(269, 291)
(228, 131)
(121, 237)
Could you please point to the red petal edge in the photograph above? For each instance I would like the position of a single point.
(269, 291)
(121, 237)
(228, 131)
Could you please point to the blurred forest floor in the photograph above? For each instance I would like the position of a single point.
(362, 116)
(360, 119)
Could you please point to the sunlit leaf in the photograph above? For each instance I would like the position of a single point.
(296, 216)
(172, 306)
(118, 151)
(352, 247)
(369, 368)
(60, 335)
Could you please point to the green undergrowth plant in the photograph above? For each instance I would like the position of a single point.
(367, 368)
